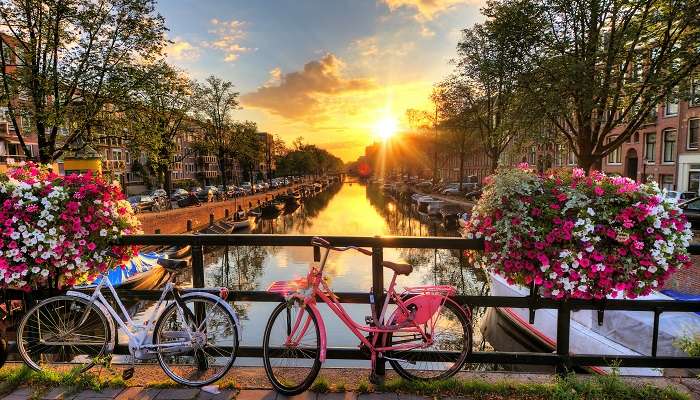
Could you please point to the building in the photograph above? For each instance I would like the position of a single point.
(666, 149)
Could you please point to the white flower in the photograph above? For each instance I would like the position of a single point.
(15, 235)
(35, 269)
(590, 211)
(44, 272)
(103, 233)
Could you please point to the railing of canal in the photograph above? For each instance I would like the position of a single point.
(562, 358)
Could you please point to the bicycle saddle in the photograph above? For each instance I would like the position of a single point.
(171, 264)
(399, 268)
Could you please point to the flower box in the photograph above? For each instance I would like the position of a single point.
(56, 230)
(573, 235)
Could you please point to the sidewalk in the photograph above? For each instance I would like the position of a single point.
(142, 393)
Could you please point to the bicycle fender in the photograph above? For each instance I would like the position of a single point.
(108, 316)
(321, 328)
(225, 304)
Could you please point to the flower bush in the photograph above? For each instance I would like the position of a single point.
(579, 236)
(56, 230)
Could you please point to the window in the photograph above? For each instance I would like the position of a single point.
(572, 157)
(671, 107)
(694, 178)
(695, 91)
(693, 133)
(669, 145)
(636, 137)
(615, 156)
(650, 147)
(667, 182)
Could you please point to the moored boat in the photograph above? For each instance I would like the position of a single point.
(621, 332)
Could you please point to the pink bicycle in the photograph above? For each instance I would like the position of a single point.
(427, 335)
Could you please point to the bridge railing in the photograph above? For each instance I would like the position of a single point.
(562, 358)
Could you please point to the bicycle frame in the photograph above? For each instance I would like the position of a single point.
(137, 333)
(321, 289)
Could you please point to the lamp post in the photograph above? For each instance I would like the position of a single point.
(644, 169)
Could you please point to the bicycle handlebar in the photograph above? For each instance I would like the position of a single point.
(321, 242)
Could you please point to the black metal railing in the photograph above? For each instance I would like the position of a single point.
(562, 358)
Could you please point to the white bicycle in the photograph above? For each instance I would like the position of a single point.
(195, 338)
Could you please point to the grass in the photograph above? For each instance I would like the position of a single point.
(73, 380)
(570, 387)
(320, 385)
(609, 387)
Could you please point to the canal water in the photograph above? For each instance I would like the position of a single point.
(341, 209)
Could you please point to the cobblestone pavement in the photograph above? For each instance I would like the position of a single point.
(142, 393)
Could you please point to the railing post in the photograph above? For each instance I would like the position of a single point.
(378, 293)
(189, 225)
(563, 333)
(197, 266)
(211, 219)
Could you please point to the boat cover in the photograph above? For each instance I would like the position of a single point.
(142, 262)
(632, 329)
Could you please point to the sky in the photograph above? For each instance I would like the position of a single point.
(329, 71)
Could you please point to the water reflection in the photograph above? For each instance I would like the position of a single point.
(341, 209)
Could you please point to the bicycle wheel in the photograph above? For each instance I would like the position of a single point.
(292, 367)
(61, 333)
(211, 351)
(452, 338)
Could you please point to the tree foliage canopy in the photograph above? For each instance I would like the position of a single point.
(64, 61)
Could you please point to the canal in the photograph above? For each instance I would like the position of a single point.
(341, 209)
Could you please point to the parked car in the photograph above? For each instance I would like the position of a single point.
(141, 203)
(159, 193)
(681, 196)
(189, 200)
(203, 195)
(247, 187)
(691, 210)
(178, 194)
(473, 195)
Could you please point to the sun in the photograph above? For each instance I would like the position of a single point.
(386, 127)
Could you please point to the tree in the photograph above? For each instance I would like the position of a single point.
(63, 61)
(491, 59)
(216, 101)
(599, 65)
(157, 114)
(458, 118)
(243, 144)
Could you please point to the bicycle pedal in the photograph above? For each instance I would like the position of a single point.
(128, 373)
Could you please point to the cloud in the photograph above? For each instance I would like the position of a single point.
(275, 77)
(228, 35)
(180, 50)
(426, 10)
(369, 47)
(300, 94)
(426, 32)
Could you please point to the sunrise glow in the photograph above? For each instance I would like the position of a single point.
(386, 127)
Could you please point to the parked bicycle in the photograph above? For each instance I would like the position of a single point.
(426, 336)
(194, 338)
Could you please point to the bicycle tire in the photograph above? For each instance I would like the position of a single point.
(281, 387)
(158, 331)
(406, 373)
(61, 308)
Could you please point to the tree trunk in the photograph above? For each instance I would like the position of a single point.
(461, 168)
(590, 163)
(222, 168)
(493, 164)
